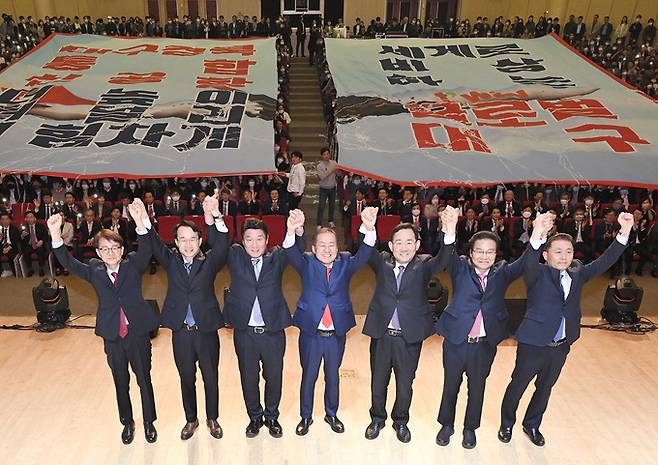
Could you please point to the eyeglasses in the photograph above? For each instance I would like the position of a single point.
(106, 250)
(487, 253)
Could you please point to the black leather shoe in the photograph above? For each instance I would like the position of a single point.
(254, 427)
(150, 433)
(535, 436)
(468, 442)
(303, 426)
(215, 430)
(443, 438)
(373, 429)
(504, 434)
(128, 433)
(30, 273)
(337, 426)
(402, 432)
(188, 430)
(276, 431)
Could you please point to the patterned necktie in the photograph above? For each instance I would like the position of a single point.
(189, 317)
(188, 267)
(561, 329)
(477, 325)
(327, 321)
(33, 236)
(395, 319)
(123, 326)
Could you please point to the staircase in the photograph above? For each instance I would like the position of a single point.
(307, 131)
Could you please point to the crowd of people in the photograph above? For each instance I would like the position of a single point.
(588, 213)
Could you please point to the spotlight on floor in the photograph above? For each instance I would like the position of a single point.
(622, 301)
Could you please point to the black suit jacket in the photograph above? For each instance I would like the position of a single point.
(232, 208)
(385, 209)
(546, 303)
(282, 208)
(40, 231)
(457, 319)
(516, 208)
(85, 234)
(123, 227)
(414, 312)
(182, 209)
(127, 294)
(71, 212)
(245, 288)
(196, 289)
(252, 208)
(41, 213)
(14, 238)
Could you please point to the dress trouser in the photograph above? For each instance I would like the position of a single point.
(313, 349)
(545, 363)
(475, 360)
(392, 353)
(190, 347)
(252, 350)
(133, 350)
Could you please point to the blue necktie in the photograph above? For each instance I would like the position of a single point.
(189, 318)
(560, 330)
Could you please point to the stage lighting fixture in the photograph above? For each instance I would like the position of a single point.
(622, 301)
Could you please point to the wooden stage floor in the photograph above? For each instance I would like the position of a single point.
(58, 407)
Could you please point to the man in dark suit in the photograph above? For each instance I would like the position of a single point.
(34, 237)
(580, 229)
(385, 204)
(473, 325)
(70, 208)
(117, 224)
(100, 207)
(551, 324)
(10, 242)
(399, 319)
(248, 205)
(45, 208)
(124, 319)
(509, 206)
(466, 228)
(256, 309)
(192, 312)
(324, 310)
(405, 205)
(226, 205)
(175, 205)
(275, 205)
(87, 229)
(153, 209)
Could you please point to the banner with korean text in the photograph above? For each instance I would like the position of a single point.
(483, 111)
(87, 105)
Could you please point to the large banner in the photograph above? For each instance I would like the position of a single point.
(482, 111)
(87, 105)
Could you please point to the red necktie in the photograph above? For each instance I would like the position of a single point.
(326, 316)
(123, 326)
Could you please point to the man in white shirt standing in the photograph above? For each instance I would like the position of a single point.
(296, 180)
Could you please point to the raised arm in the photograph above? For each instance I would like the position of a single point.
(367, 248)
(540, 226)
(449, 218)
(515, 269)
(65, 259)
(614, 251)
(216, 232)
(295, 225)
(144, 249)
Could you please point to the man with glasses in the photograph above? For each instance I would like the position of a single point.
(192, 312)
(124, 319)
(474, 323)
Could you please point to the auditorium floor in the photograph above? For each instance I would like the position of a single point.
(16, 294)
(59, 407)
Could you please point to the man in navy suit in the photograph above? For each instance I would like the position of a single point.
(473, 325)
(399, 319)
(257, 311)
(551, 323)
(192, 312)
(324, 310)
(124, 319)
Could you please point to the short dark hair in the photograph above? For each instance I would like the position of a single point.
(254, 223)
(297, 154)
(483, 235)
(324, 149)
(403, 226)
(558, 237)
(108, 235)
(5, 213)
(187, 224)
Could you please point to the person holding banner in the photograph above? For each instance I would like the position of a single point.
(324, 310)
(551, 324)
(473, 325)
(124, 320)
(399, 319)
(192, 312)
